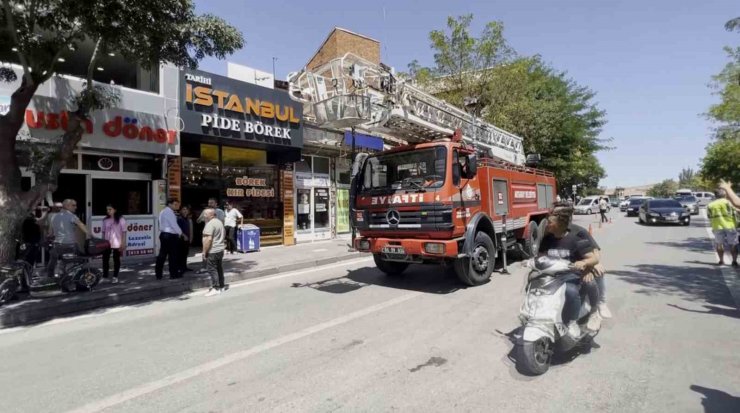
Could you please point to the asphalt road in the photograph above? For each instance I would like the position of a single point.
(345, 338)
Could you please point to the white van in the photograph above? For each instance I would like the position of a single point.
(703, 198)
(684, 192)
(588, 205)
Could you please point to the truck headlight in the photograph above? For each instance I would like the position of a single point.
(434, 248)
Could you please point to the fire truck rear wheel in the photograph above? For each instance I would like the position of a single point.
(390, 268)
(531, 240)
(476, 269)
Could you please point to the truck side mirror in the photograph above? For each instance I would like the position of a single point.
(533, 159)
(471, 166)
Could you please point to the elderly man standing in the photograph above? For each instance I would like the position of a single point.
(64, 227)
(213, 251)
(722, 217)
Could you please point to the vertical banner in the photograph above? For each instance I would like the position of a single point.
(174, 177)
(342, 210)
(287, 198)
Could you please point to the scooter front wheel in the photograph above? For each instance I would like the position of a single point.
(534, 357)
(87, 278)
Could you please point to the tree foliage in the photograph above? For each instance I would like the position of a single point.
(555, 116)
(36, 33)
(687, 178)
(665, 189)
(722, 158)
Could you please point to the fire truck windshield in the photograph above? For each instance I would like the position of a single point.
(414, 170)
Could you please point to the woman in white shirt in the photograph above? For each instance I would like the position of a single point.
(114, 231)
(232, 215)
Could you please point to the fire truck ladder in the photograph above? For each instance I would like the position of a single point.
(352, 92)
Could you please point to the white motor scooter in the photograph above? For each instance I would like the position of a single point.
(544, 332)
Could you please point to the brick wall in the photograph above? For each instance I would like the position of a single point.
(341, 42)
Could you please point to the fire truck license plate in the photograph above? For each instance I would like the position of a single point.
(394, 249)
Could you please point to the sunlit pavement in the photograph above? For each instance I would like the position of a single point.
(344, 337)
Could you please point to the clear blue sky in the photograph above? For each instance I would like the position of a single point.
(648, 61)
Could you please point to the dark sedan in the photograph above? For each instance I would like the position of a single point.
(633, 207)
(664, 211)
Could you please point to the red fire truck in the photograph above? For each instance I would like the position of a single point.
(459, 193)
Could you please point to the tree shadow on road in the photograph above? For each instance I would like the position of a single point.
(691, 283)
(712, 309)
(424, 278)
(717, 401)
(693, 244)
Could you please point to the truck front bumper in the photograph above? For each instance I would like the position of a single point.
(409, 250)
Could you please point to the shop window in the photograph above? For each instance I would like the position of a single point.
(129, 197)
(344, 171)
(137, 165)
(320, 165)
(202, 173)
(101, 163)
(304, 165)
(321, 205)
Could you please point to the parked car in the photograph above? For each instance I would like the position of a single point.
(614, 202)
(690, 203)
(588, 205)
(634, 206)
(624, 204)
(704, 198)
(663, 211)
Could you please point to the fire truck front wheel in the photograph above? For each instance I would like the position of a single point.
(390, 268)
(476, 268)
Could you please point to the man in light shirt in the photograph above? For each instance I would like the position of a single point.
(232, 216)
(213, 251)
(169, 238)
(64, 228)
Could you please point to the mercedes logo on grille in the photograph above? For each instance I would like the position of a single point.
(393, 217)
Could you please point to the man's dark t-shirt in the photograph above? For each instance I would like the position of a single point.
(573, 246)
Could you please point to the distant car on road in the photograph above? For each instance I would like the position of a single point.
(663, 211)
(633, 206)
(690, 203)
(589, 205)
(704, 198)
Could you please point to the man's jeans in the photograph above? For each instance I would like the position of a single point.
(57, 250)
(215, 268)
(602, 289)
(572, 307)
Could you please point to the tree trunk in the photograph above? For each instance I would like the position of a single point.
(13, 209)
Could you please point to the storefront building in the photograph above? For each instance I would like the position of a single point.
(238, 144)
(120, 158)
(322, 181)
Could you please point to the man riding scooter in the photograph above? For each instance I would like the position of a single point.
(565, 240)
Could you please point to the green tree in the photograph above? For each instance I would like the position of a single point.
(36, 33)
(688, 178)
(722, 161)
(554, 115)
(665, 189)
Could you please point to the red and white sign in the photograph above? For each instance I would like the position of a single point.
(397, 199)
(139, 234)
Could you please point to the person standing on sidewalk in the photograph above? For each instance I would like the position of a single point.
(64, 227)
(114, 231)
(169, 240)
(212, 204)
(603, 206)
(213, 251)
(185, 222)
(232, 215)
(722, 217)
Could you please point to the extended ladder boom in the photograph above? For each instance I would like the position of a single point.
(350, 91)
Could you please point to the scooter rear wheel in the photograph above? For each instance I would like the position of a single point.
(535, 357)
(8, 288)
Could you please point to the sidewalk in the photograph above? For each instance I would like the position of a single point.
(138, 285)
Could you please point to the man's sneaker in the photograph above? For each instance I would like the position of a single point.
(573, 330)
(604, 311)
(594, 322)
(212, 291)
(114, 280)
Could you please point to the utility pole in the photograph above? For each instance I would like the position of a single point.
(352, 207)
(273, 68)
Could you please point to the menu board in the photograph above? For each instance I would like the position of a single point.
(288, 216)
(174, 177)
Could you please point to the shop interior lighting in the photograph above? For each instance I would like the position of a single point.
(61, 59)
(100, 69)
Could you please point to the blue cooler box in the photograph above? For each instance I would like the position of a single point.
(248, 238)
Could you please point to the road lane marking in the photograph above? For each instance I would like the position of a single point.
(730, 275)
(196, 293)
(192, 372)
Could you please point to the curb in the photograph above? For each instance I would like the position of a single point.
(79, 303)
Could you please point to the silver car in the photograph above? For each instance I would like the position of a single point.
(690, 203)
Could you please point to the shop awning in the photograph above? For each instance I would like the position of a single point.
(363, 141)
